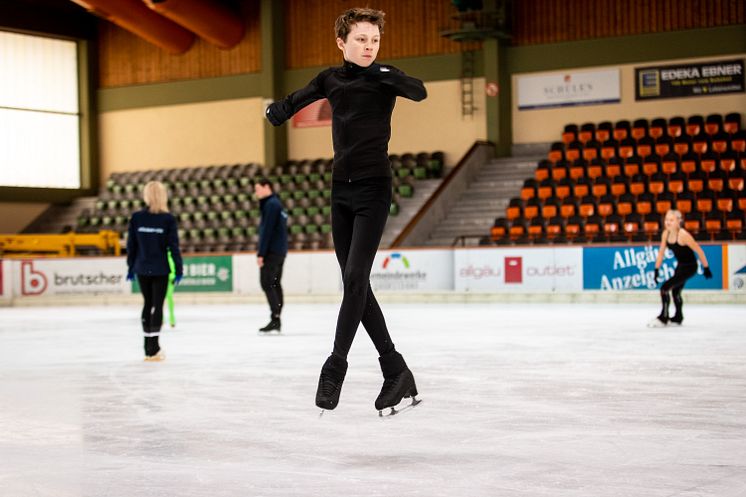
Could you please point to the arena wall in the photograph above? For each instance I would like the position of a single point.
(185, 135)
(546, 125)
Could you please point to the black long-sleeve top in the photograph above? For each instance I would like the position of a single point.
(273, 230)
(150, 236)
(362, 100)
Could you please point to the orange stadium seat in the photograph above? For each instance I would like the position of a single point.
(685, 202)
(601, 186)
(713, 124)
(670, 164)
(573, 151)
(619, 185)
(664, 202)
(651, 165)
(582, 187)
(614, 167)
(728, 161)
(645, 146)
(632, 166)
(676, 126)
(658, 127)
(587, 132)
(639, 129)
(606, 206)
(682, 145)
(591, 150)
(663, 145)
(563, 189)
(543, 170)
(734, 224)
(528, 190)
(625, 204)
(694, 125)
(626, 148)
(550, 208)
(604, 131)
(569, 207)
(700, 143)
(577, 169)
(587, 206)
(676, 183)
(621, 130)
(570, 133)
(732, 122)
(531, 209)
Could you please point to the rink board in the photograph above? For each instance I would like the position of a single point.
(561, 269)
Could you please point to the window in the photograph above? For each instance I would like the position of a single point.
(39, 112)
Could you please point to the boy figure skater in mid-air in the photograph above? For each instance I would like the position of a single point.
(362, 95)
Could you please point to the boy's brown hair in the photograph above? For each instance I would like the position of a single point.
(350, 17)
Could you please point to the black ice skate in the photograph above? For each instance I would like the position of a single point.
(330, 382)
(676, 320)
(273, 326)
(398, 384)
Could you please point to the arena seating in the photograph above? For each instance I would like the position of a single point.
(612, 182)
(217, 211)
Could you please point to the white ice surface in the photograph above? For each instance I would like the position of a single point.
(519, 400)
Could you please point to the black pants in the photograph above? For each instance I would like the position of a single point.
(359, 213)
(153, 290)
(270, 275)
(674, 285)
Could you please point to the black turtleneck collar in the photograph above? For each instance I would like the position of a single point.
(353, 69)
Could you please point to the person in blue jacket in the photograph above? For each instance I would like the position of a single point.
(272, 250)
(152, 233)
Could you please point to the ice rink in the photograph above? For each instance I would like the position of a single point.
(519, 400)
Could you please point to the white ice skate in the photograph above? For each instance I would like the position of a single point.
(657, 323)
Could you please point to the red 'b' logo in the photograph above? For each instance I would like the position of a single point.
(32, 282)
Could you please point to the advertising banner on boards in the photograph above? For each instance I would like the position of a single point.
(633, 268)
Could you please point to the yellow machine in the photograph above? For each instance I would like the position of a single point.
(65, 245)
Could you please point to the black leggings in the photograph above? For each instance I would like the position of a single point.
(674, 285)
(360, 210)
(270, 275)
(153, 290)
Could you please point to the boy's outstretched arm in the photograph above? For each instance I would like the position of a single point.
(280, 111)
(402, 85)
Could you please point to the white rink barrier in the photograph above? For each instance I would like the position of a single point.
(736, 261)
(489, 270)
(6, 287)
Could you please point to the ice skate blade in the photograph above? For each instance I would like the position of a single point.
(269, 333)
(160, 356)
(657, 323)
(394, 411)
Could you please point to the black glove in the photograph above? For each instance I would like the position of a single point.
(275, 114)
(708, 273)
(655, 278)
